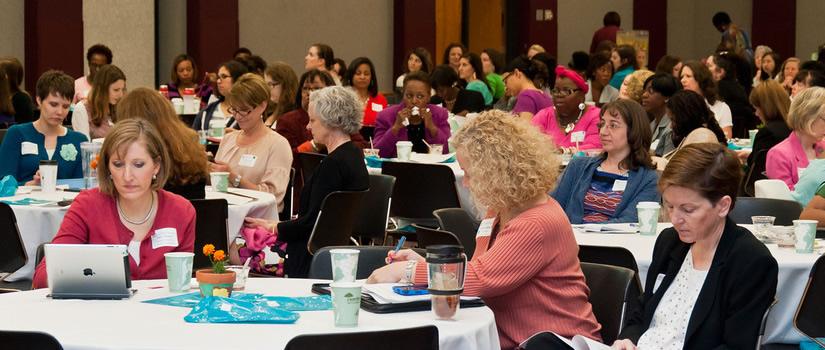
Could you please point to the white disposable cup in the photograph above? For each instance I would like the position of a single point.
(346, 302)
(403, 150)
(344, 264)
(804, 232)
(179, 270)
(48, 178)
(648, 213)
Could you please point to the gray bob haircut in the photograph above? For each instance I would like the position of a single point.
(337, 107)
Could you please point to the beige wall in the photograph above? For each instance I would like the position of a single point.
(809, 35)
(690, 32)
(579, 19)
(11, 34)
(129, 31)
(171, 36)
(281, 30)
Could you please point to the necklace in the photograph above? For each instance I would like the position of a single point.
(136, 223)
(569, 127)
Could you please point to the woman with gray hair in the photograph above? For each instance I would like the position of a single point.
(334, 114)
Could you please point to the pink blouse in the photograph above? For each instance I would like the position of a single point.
(545, 120)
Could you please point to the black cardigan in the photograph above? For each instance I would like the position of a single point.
(739, 288)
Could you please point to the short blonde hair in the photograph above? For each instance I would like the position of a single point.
(635, 83)
(123, 134)
(536, 47)
(509, 160)
(250, 90)
(805, 108)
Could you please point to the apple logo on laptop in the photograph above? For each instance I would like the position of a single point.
(88, 272)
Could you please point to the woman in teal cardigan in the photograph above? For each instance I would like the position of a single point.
(606, 188)
(25, 145)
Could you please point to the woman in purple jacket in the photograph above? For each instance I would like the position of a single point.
(412, 120)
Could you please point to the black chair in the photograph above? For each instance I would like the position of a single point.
(286, 212)
(367, 132)
(335, 220)
(755, 172)
(28, 341)
(810, 315)
(784, 211)
(309, 162)
(13, 254)
(460, 223)
(613, 256)
(369, 259)
(420, 189)
(610, 288)
(210, 228)
(371, 221)
(430, 236)
(419, 338)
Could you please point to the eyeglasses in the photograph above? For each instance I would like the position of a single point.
(239, 112)
(309, 89)
(563, 92)
(612, 125)
(223, 76)
(273, 84)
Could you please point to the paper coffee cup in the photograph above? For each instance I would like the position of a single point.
(344, 264)
(648, 213)
(48, 176)
(403, 150)
(804, 232)
(346, 302)
(179, 270)
(219, 180)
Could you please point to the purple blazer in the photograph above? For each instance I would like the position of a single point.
(385, 140)
(787, 158)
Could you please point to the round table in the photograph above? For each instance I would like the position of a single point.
(130, 324)
(794, 269)
(39, 223)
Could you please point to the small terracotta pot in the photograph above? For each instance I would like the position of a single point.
(215, 284)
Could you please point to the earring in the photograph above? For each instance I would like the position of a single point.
(154, 177)
(581, 106)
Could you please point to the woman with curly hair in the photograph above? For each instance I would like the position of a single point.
(633, 85)
(525, 266)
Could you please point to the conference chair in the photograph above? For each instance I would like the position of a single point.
(430, 236)
(28, 341)
(13, 254)
(371, 221)
(784, 211)
(419, 338)
(210, 228)
(459, 222)
(370, 258)
(335, 221)
(810, 314)
(420, 189)
(755, 173)
(289, 197)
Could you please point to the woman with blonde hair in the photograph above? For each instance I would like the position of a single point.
(525, 266)
(96, 115)
(188, 172)
(283, 86)
(788, 158)
(633, 85)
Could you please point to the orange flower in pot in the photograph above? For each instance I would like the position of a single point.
(216, 281)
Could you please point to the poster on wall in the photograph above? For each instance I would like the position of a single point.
(639, 39)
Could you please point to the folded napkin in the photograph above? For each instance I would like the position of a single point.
(8, 186)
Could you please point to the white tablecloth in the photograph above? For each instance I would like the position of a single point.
(463, 192)
(39, 224)
(130, 324)
(793, 275)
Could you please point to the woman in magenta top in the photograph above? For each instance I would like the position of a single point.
(412, 120)
(361, 76)
(788, 158)
(519, 77)
(130, 207)
(570, 119)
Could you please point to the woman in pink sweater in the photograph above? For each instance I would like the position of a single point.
(525, 266)
(130, 207)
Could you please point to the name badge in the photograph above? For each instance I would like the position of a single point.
(577, 136)
(485, 229)
(658, 282)
(619, 185)
(28, 148)
(654, 145)
(377, 107)
(248, 160)
(165, 237)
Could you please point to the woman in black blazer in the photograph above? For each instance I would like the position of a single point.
(710, 281)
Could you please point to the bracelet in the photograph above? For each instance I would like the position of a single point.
(408, 272)
(237, 181)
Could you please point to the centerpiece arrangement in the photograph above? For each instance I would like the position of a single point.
(216, 281)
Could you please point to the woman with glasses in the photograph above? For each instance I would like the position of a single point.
(519, 78)
(228, 73)
(256, 157)
(283, 85)
(570, 123)
(607, 188)
(413, 120)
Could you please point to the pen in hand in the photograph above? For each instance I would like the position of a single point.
(397, 248)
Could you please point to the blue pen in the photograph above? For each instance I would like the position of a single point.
(399, 245)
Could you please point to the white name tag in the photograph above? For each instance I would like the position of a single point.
(658, 282)
(619, 185)
(377, 107)
(28, 148)
(248, 160)
(654, 145)
(577, 136)
(485, 229)
(165, 237)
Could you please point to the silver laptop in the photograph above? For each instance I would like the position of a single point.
(88, 271)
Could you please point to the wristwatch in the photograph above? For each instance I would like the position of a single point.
(408, 271)
(237, 181)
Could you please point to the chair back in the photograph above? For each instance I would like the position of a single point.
(370, 258)
(772, 188)
(371, 222)
(810, 314)
(430, 236)
(756, 172)
(335, 221)
(460, 223)
(13, 254)
(419, 338)
(29, 340)
(420, 189)
(785, 211)
(210, 228)
(289, 196)
(309, 162)
(609, 294)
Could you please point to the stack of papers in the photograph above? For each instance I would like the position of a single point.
(383, 294)
(608, 228)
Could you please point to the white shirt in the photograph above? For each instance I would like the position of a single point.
(722, 113)
(609, 94)
(80, 119)
(670, 320)
(134, 251)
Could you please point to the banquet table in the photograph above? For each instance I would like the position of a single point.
(131, 324)
(39, 223)
(793, 275)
